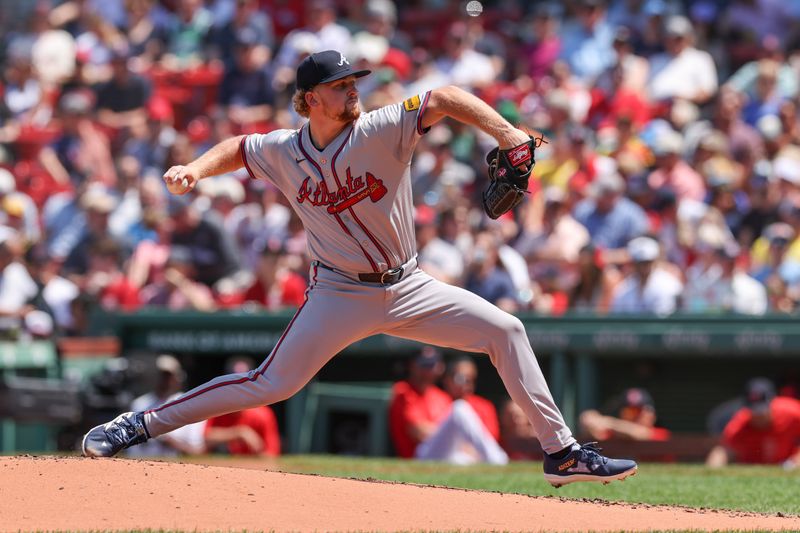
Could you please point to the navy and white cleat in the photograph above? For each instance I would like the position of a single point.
(585, 463)
(107, 440)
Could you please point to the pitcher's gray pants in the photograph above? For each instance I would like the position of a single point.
(339, 311)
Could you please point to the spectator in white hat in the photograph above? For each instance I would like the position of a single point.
(683, 71)
(611, 218)
(723, 287)
(672, 171)
(19, 210)
(97, 204)
(549, 232)
(381, 19)
(648, 288)
(766, 98)
(461, 64)
(770, 250)
(587, 42)
(322, 32)
(187, 440)
(16, 289)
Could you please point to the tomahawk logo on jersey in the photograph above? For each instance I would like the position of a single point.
(353, 191)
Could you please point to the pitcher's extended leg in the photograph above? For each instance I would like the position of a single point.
(327, 322)
(430, 311)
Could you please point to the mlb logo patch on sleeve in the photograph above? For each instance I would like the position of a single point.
(411, 104)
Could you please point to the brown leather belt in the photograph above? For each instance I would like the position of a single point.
(387, 277)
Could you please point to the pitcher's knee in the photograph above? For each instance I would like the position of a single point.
(517, 328)
(507, 326)
(288, 391)
(274, 390)
(507, 336)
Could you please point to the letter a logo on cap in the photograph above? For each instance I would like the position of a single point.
(343, 60)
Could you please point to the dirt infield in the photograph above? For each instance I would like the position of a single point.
(71, 493)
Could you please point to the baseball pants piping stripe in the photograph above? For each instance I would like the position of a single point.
(336, 215)
(325, 326)
(251, 376)
(352, 212)
(270, 358)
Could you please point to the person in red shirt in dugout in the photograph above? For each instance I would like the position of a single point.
(418, 405)
(459, 383)
(455, 426)
(765, 431)
(249, 432)
(635, 419)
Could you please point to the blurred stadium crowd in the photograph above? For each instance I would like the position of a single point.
(670, 179)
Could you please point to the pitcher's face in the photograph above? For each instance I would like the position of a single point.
(339, 99)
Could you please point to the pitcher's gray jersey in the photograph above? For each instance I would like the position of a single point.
(343, 193)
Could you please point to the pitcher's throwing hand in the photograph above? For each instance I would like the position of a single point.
(180, 179)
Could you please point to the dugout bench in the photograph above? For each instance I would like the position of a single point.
(312, 410)
(26, 359)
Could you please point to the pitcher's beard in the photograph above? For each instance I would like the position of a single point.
(349, 114)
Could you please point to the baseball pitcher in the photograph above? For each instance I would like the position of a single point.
(346, 174)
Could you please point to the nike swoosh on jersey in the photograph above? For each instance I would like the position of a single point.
(298, 161)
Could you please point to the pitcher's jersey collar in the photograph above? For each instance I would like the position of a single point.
(305, 133)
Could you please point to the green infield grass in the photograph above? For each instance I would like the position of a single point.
(762, 489)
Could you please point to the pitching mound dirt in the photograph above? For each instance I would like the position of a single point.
(71, 493)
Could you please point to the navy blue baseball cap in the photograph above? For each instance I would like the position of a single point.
(428, 357)
(759, 393)
(324, 67)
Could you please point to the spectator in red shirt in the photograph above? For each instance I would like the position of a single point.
(459, 383)
(275, 286)
(470, 432)
(179, 289)
(418, 405)
(105, 280)
(635, 420)
(765, 431)
(249, 432)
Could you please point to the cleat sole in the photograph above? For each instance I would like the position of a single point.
(559, 481)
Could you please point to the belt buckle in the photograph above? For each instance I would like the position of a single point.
(391, 272)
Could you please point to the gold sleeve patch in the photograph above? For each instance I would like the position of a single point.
(411, 104)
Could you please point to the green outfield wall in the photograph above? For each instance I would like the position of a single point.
(689, 363)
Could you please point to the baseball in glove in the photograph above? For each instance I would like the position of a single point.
(509, 171)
